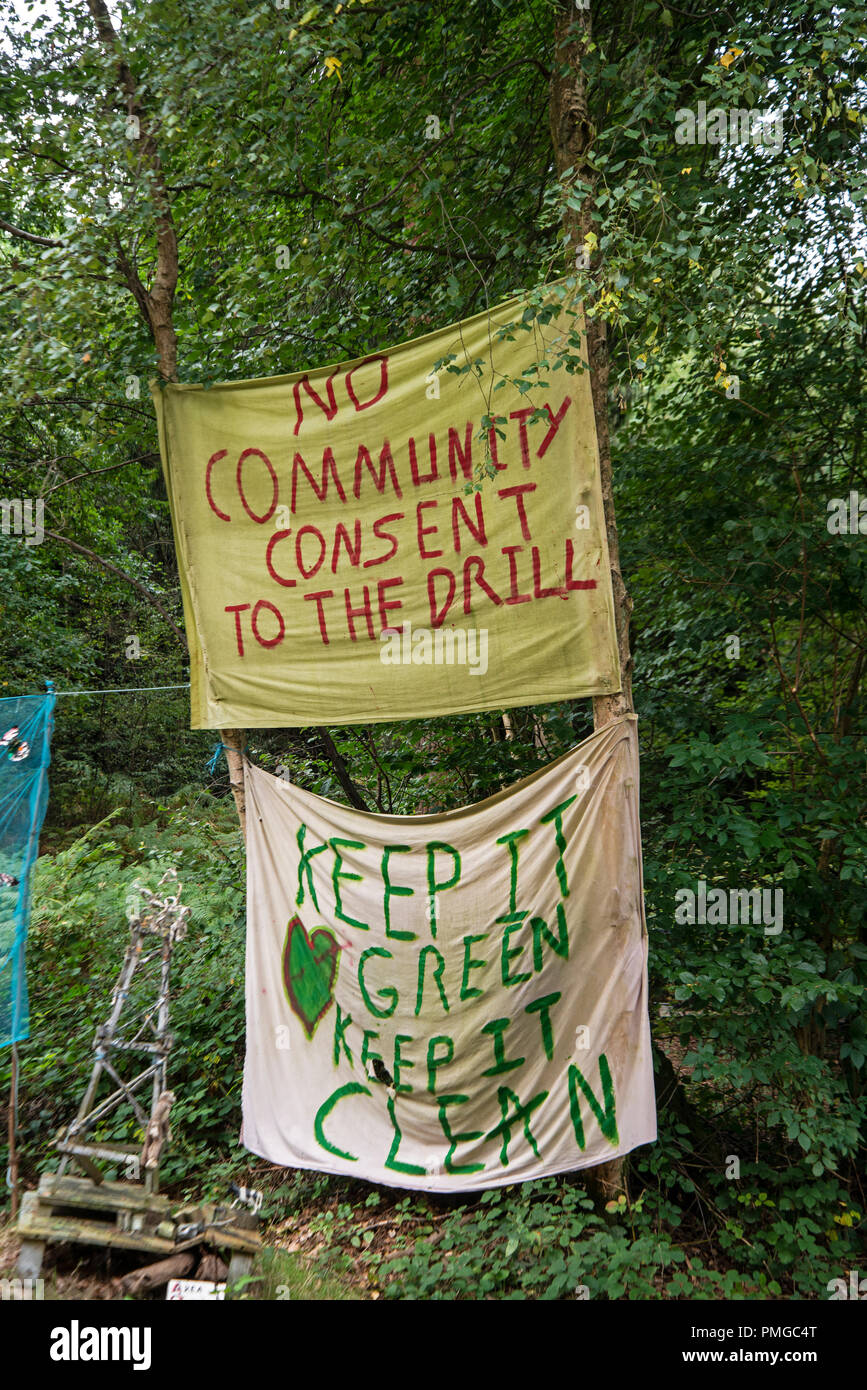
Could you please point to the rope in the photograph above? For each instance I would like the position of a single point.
(221, 748)
(126, 689)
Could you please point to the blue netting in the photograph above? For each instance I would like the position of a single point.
(25, 749)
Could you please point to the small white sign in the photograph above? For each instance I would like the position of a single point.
(194, 1289)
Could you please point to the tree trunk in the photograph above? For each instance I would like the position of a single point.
(572, 136)
(156, 304)
(344, 777)
(233, 743)
(154, 1275)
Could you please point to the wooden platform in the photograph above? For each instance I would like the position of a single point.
(124, 1216)
(111, 1213)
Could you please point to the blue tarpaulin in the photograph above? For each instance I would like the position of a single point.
(26, 722)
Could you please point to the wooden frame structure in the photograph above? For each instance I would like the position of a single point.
(130, 1214)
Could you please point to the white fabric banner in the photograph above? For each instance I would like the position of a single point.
(455, 1001)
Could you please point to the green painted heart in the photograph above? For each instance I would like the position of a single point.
(309, 972)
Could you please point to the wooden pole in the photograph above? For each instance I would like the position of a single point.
(234, 743)
(130, 961)
(572, 138)
(13, 1126)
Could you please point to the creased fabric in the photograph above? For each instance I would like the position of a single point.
(394, 538)
(452, 1001)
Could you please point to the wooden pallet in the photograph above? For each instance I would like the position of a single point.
(130, 1215)
(125, 1216)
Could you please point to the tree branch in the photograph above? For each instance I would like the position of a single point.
(155, 303)
(128, 579)
(28, 236)
(343, 774)
(95, 472)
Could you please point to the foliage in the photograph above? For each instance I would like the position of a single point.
(546, 1239)
(78, 935)
(320, 215)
